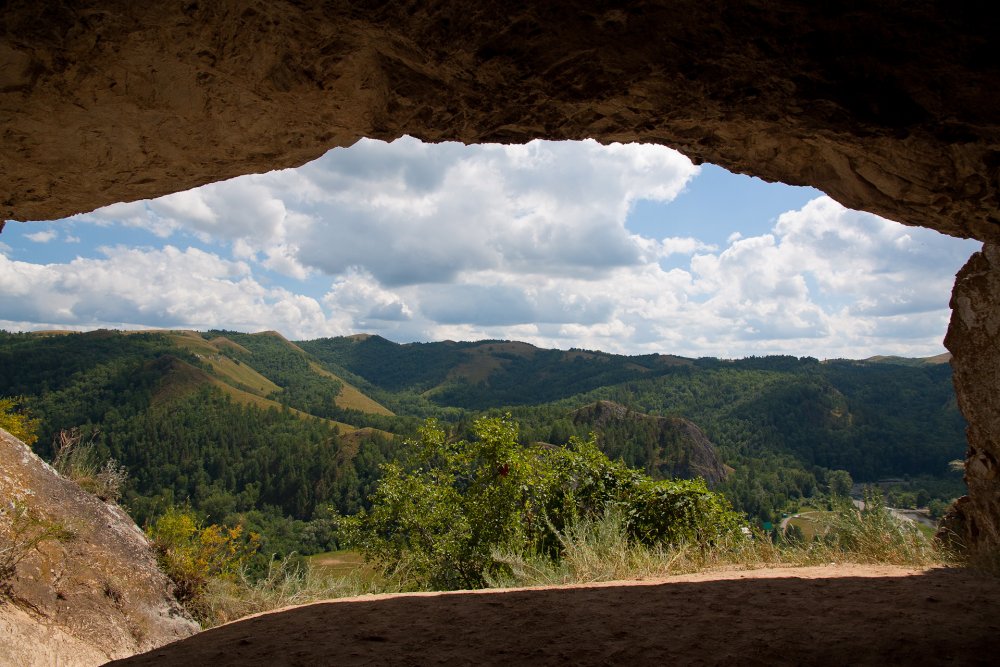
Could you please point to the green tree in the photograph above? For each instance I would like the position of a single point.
(439, 520)
(191, 553)
(840, 483)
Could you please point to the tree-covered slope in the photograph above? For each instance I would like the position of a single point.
(168, 409)
(237, 423)
(483, 374)
(665, 447)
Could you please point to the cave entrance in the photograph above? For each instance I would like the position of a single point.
(628, 249)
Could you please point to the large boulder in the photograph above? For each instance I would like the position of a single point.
(91, 590)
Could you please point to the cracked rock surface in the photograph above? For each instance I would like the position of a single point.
(888, 107)
(93, 593)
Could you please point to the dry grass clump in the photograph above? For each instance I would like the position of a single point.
(76, 459)
(287, 582)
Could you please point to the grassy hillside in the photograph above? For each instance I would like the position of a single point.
(195, 422)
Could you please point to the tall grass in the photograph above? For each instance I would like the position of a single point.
(593, 550)
(599, 550)
(76, 459)
(873, 535)
(287, 582)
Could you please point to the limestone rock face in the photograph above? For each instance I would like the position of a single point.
(888, 107)
(91, 595)
(974, 339)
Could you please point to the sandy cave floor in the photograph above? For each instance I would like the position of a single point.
(848, 614)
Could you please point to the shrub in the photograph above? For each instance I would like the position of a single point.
(192, 554)
(440, 521)
(436, 523)
(16, 420)
(21, 531)
(77, 459)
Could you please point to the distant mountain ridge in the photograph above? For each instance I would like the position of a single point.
(480, 374)
(234, 422)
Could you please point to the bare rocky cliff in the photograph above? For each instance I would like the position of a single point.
(673, 447)
(89, 594)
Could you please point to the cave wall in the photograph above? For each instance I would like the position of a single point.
(974, 340)
(891, 107)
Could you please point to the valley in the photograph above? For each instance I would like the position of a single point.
(283, 436)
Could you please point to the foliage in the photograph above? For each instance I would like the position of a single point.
(439, 522)
(288, 367)
(193, 554)
(597, 549)
(840, 483)
(16, 420)
(436, 523)
(781, 423)
(871, 534)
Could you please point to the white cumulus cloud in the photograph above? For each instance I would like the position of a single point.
(426, 242)
(165, 288)
(41, 237)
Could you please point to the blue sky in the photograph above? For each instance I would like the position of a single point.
(627, 249)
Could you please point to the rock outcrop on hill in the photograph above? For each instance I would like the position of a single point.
(89, 593)
(672, 447)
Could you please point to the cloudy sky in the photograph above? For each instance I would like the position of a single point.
(620, 248)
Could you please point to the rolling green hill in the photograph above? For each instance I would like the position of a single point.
(483, 374)
(255, 428)
(229, 427)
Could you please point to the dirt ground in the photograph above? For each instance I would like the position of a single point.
(858, 615)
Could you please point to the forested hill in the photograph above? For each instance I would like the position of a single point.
(667, 447)
(256, 428)
(483, 374)
(243, 428)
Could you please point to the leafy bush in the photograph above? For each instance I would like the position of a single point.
(192, 554)
(16, 420)
(440, 521)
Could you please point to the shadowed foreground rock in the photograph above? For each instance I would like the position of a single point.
(86, 598)
(852, 615)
